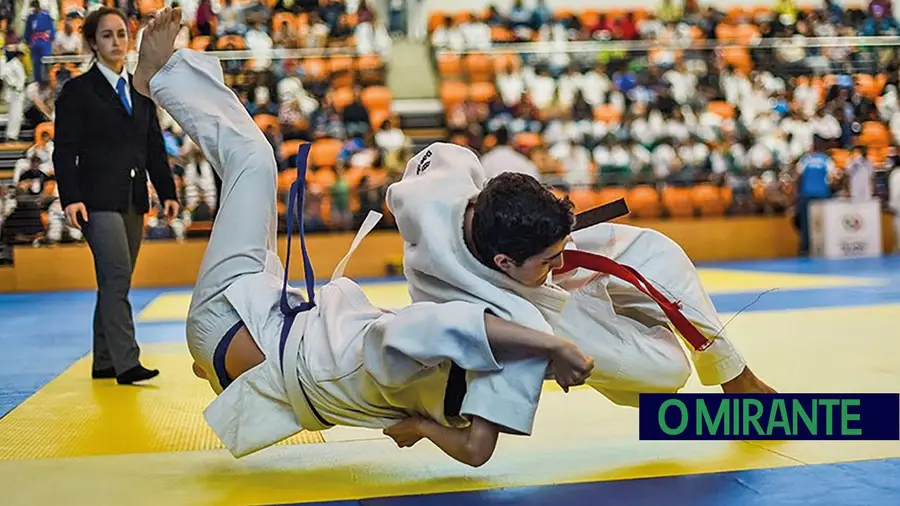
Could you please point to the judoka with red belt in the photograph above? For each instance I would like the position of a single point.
(629, 297)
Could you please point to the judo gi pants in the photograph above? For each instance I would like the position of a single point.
(191, 88)
(629, 336)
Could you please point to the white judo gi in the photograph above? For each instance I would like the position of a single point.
(626, 333)
(342, 361)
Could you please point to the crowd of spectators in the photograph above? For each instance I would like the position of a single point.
(677, 98)
(334, 96)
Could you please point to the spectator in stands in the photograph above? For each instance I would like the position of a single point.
(390, 137)
(339, 192)
(448, 37)
(67, 42)
(504, 158)
(356, 116)
(204, 19)
(260, 44)
(40, 32)
(14, 79)
(23, 224)
(475, 33)
(575, 161)
(284, 36)
(315, 34)
(261, 101)
(860, 173)
(341, 33)
(230, 20)
(520, 20)
(40, 103)
(371, 197)
(331, 12)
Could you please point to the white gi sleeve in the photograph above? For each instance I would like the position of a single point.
(423, 335)
(405, 343)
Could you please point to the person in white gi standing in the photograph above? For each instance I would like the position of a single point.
(496, 241)
(280, 364)
(13, 76)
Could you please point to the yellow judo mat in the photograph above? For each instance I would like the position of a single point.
(81, 441)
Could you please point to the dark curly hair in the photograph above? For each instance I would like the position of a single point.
(515, 215)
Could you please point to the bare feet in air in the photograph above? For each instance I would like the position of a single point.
(747, 383)
(157, 46)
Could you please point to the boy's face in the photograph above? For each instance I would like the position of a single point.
(534, 270)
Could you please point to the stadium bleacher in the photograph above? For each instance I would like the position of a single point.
(685, 111)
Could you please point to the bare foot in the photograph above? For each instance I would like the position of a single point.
(747, 383)
(157, 46)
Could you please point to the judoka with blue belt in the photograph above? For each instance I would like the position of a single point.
(282, 361)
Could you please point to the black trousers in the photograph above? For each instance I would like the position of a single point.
(115, 240)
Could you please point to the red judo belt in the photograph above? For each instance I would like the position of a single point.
(574, 258)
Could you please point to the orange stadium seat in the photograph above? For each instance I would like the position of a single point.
(607, 113)
(324, 152)
(707, 199)
(721, 108)
(289, 148)
(479, 68)
(607, 195)
(643, 201)
(341, 63)
(507, 60)
(341, 97)
(377, 117)
(874, 134)
(370, 69)
(264, 121)
(453, 92)
(501, 34)
(42, 128)
(677, 201)
(584, 198)
(840, 157)
(280, 18)
(315, 69)
(527, 140)
(435, 19)
(376, 98)
(236, 40)
(150, 6)
(449, 66)
(199, 43)
(482, 92)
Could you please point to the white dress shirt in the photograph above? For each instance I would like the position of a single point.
(113, 79)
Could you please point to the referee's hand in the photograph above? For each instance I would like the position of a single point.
(171, 209)
(74, 211)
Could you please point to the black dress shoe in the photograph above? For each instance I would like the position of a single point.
(108, 373)
(136, 373)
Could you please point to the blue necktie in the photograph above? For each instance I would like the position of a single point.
(123, 94)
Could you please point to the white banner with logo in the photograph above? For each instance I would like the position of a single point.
(840, 228)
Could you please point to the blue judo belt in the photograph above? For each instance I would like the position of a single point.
(294, 211)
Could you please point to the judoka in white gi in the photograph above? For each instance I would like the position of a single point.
(281, 362)
(496, 241)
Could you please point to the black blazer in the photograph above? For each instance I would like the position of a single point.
(97, 144)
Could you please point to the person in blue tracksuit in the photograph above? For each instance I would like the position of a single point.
(39, 35)
(815, 174)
